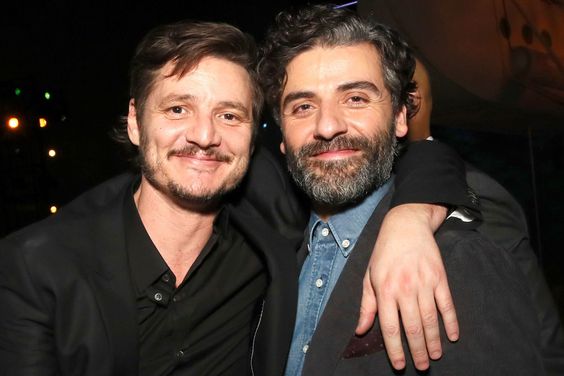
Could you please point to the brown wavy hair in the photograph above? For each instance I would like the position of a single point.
(186, 43)
(323, 25)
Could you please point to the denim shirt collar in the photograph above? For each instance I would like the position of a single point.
(347, 225)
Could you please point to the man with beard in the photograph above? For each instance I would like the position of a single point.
(341, 88)
(159, 274)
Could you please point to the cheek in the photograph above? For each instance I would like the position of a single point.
(367, 123)
(238, 141)
(298, 131)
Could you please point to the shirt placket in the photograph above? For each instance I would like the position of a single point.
(323, 252)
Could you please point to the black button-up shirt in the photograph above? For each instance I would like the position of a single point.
(204, 326)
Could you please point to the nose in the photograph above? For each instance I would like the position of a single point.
(202, 131)
(329, 123)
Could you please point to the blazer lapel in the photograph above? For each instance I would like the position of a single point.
(338, 322)
(274, 332)
(112, 286)
(301, 255)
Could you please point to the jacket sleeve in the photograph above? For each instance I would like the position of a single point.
(268, 192)
(432, 172)
(496, 312)
(26, 321)
(505, 225)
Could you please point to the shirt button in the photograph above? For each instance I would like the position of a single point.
(158, 296)
(325, 231)
(179, 354)
(305, 348)
(166, 278)
(346, 243)
(319, 282)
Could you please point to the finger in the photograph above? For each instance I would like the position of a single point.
(447, 309)
(390, 327)
(430, 322)
(411, 319)
(368, 306)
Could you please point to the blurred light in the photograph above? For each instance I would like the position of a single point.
(18, 91)
(13, 122)
(53, 209)
(52, 153)
(42, 122)
(47, 95)
(264, 125)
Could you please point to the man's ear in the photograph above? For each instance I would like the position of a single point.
(282, 147)
(401, 122)
(132, 125)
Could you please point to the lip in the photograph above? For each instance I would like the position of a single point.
(336, 154)
(198, 160)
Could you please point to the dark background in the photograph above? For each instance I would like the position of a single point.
(79, 51)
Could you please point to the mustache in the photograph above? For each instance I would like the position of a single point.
(338, 143)
(192, 150)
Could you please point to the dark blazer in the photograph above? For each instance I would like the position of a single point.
(505, 224)
(68, 304)
(500, 331)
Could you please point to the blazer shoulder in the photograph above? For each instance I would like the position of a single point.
(63, 233)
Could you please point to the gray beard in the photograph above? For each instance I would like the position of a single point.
(344, 182)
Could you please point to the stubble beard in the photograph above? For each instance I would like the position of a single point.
(193, 196)
(343, 182)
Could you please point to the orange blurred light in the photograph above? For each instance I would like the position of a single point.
(42, 122)
(13, 122)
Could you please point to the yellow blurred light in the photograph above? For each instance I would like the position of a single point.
(52, 153)
(42, 122)
(53, 209)
(13, 122)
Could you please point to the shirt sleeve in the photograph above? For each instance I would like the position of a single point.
(432, 172)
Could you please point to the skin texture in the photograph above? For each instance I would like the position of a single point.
(337, 92)
(195, 137)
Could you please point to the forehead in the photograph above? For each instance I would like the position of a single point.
(211, 78)
(329, 66)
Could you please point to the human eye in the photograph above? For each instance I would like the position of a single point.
(357, 100)
(176, 111)
(302, 109)
(231, 118)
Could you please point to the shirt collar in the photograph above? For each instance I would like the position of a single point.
(347, 225)
(146, 264)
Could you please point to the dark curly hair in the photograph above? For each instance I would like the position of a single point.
(185, 44)
(323, 25)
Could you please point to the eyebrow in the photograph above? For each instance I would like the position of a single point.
(292, 96)
(236, 105)
(178, 97)
(362, 85)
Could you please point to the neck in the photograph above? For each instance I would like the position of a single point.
(178, 231)
(326, 211)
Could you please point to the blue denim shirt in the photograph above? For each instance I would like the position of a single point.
(329, 246)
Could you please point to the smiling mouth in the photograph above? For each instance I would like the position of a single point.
(336, 154)
(195, 154)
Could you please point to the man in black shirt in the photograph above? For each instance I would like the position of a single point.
(220, 291)
(160, 274)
